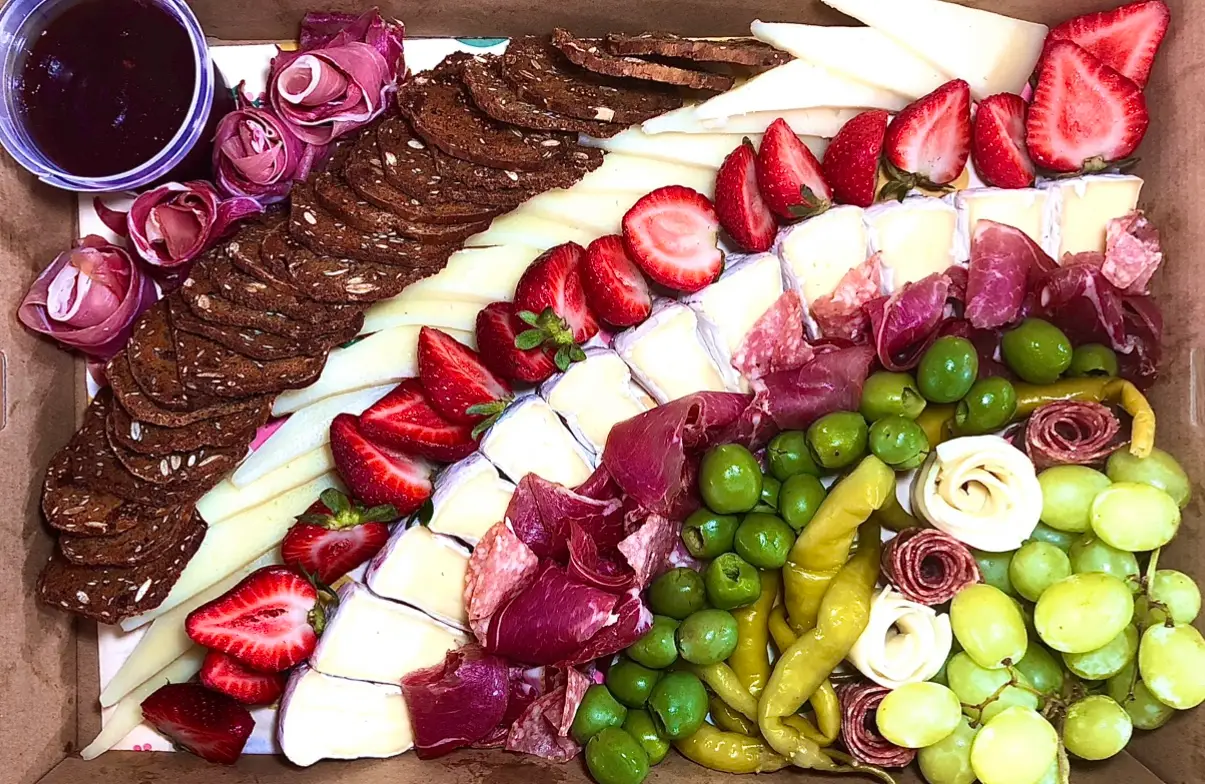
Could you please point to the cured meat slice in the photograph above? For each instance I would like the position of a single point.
(1071, 432)
(1144, 333)
(1132, 253)
(998, 275)
(905, 324)
(859, 701)
(648, 547)
(776, 342)
(1078, 299)
(839, 315)
(735, 51)
(541, 512)
(634, 619)
(537, 730)
(587, 54)
(457, 702)
(832, 381)
(928, 566)
(500, 567)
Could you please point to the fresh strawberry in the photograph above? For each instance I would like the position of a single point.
(1126, 39)
(269, 621)
(743, 212)
(789, 175)
(404, 419)
(457, 383)
(550, 298)
(498, 344)
(998, 142)
(378, 474)
(672, 234)
(335, 536)
(209, 724)
(615, 288)
(231, 677)
(929, 141)
(851, 162)
(1084, 115)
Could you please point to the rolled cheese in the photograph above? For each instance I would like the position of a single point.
(904, 642)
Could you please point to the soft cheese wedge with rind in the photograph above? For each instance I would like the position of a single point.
(424, 570)
(822, 122)
(916, 237)
(334, 718)
(817, 252)
(529, 438)
(798, 84)
(667, 354)
(594, 395)
(526, 228)
(469, 498)
(1026, 209)
(1083, 208)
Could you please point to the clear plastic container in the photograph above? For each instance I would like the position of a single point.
(22, 19)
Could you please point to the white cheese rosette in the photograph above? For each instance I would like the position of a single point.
(904, 642)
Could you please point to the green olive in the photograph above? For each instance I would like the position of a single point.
(598, 711)
(631, 683)
(770, 488)
(891, 394)
(707, 534)
(731, 582)
(838, 440)
(1037, 351)
(1093, 359)
(708, 637)
(788, 455)
(730, 480)
(640, 725)
(948, 369)
(657, 649)
(678, 704)
(988, 407)
(678, 593)
(799, 498)
(899, 442)
(615, 757)
(764, 540)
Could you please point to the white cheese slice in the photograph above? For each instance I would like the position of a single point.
(917, 237)
(859, 53)
(334, 718)
(226, 500)
(1023, 208)
(695, 149)
(424, 570)
(993, 53)
(599, 211)
(1082, 208)
(798, 84)
(368, 638)
(526, 228)
(621, 172)
(472, 275)
(453, 316)
(469, 498)
(529, 438)
(594, 395)
(817, 252)
(304, 431)
(822, 122)
(127, 713)
(667, 354)
(235, 542)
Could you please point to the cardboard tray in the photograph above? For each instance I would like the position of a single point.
(48, 672)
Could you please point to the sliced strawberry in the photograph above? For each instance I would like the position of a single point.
(404, 419)
(269, 621)
(457, 383)
(789, 175)
(672, 235)
(998, 142)
(929, 141)
(335, 536)
(210, 725)
(231, 677)
(614, 285)
(739, 203)
(551, 288)
(378, 474)
(851, 162)
(1126, 39)
(498, 345)
(1084, 115)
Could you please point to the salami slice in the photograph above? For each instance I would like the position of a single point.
(536, 732)
(859, 701)
(1071, 432)
(839, 315)
(647, 548)
(1132, 253)
(928, 566)
(776, 342)
(500, 567)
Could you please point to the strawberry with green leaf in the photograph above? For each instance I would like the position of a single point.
(336, 535)
(551, 302)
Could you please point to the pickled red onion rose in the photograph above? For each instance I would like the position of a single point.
(903, 642)
(928, 566)
(860, 731)
(1071, 432)
(839, 314)
(256, 155)
(905, 324)
(173, 224)
(1132, 253)
(458, 702)
(88, 298)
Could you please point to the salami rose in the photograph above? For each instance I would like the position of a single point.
(173, 224)
(928, 566)
(859, 731)
(1071, 432)
(256, 155)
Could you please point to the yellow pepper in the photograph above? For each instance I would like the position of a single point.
(780, 629)
(751, 659)
(728, 719)
(894, 517)
(724, 683)
(936, 421)
(730, 752)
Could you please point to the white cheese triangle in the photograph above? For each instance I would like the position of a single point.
(1081, 209)
(667, 354)
(529, 438)
(821, 122)
(798, 84)
(469, 497)
(594, 395)
(423, 570)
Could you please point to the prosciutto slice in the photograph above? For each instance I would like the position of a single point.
(648, 547)
(456, 703)
(928, 566)
(906, 323)
(832, 381)
(839, 315)
(776, 342)
(1078, 299)
(540, 512)
(1071, 432)
(633, 620)
(859, 701)
(1002, 258)
(1144, 339)
(1132, 253)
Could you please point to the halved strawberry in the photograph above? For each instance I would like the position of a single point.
(498, 344)
(1126, 39)
(1084, 115)
(404, 419)
(672, 234)
(929, 141)
(378, 474)
(231, 677)
(851, 162)
(335, 536)
(551, 291)
(743, 212)
(998, 142)
(269, 621)
(614, 285)
(210, 725)
(456, 381)
(789, 175)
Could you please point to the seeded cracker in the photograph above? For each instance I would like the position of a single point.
(588, 55)
(243, 253)
(208, 367)
(201, 468)
(254, 343)
(237, 429)
(77, 510)
(250, 292)
(734, 51)
(128, 395)
(157, 531)
(152, 355)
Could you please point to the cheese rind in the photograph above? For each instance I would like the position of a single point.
(1023, 208)
(817, 252)
(621, 172)
(524, 227)
(1081, 209)
(819, 123)
(798, 84)
(529, 438)
(667, 354)
(594, 395)
(916, 237)
(469, 498)
(424, 570)
(226, 500)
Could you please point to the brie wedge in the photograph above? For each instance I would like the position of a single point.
(1025, 209)
(917, 237)
(620, 172)
(822, 122)
(594, 395)
(798, 84)
(469, 498)
(816, 253)
(667, 355)
(526, 228)
(529, 438)
(424, 570)
(1083, 207)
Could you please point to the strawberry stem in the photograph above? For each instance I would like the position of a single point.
(811, 206)
(491, 411)
(553, 333)
(345, 514)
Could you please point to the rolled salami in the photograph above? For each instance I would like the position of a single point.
(859, 730)
(1071, 432)
(928, 566)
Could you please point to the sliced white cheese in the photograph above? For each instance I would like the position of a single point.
(859, 53)
(594, 395)
(334, 718)
(993, 53)
(481, 275)
(526, 228)
(667, 355)
(917, 237)
(226, 500)
(633, 173)
(235, 542)
(1082, 208)
(127, 713)
(454, 316)
(373, 639)
(816, 253)
(798, 84)
(529, 438)
(821, 122)
(424, 570)
(599, 211)
(469, 498)
(1023, 208)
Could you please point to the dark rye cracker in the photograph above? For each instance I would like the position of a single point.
(237, 429)
(213, 369)
(110, 594)
(200, 468)
(446, 71)
(157, 531)
(331, 279)
(587, 54)
(131, 398)
(251, 292)
(243, 253)
(561, 172)
(77, 510)
(541, 74)
(733, 51)
(255, 343)
(367, 178)
(152, 354)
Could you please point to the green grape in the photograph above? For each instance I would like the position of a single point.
(1060, 539)
(994, 568)
(1157, 470)
(1107, 660)
(940, 676)
(918, 714)
(1036, 567)
(1096, 728)
(988, 625)
(1090, 554)
(1171, 660)
(1178, 594)
(949, 760)
(1135, 517)
(1043, 671)
(1067, 494)
(1018, 746)
(974, 685)
(1145, 711)
(1083, 612)
(1052, 775)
